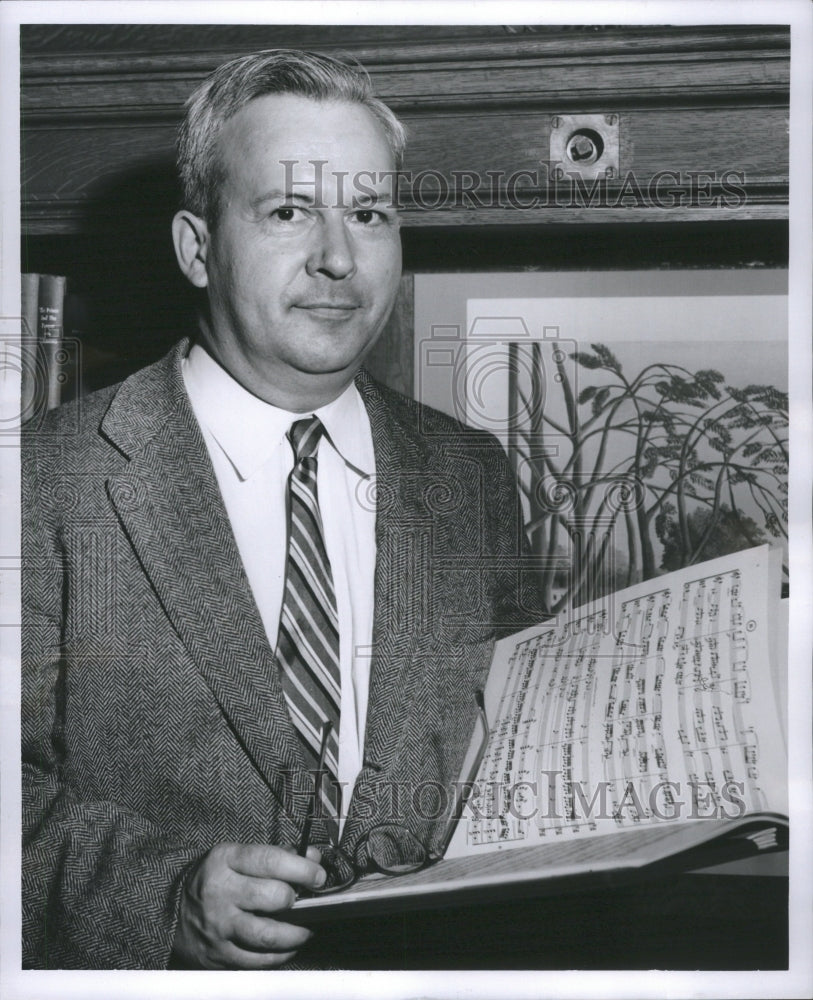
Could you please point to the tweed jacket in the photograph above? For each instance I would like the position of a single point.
(153, 720)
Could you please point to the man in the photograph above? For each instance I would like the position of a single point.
(165, 687)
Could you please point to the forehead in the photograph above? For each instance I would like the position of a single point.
(281, 135)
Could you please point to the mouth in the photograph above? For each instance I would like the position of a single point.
(328, 309)
(329, 312)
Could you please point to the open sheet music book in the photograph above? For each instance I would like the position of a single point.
(645, 730)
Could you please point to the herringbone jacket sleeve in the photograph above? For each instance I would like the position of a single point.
(101, 884)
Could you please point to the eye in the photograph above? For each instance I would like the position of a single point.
(369, 217)
(287, 213)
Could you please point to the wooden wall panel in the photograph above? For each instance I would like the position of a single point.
(99, 103)
(94, 156)
(717, 139)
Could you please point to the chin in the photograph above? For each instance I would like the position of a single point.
(329, 369)
(331, 363)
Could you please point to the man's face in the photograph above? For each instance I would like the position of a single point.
(303, 262)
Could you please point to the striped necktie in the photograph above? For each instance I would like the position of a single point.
(308, 641)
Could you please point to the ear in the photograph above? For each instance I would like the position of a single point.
(190, 236)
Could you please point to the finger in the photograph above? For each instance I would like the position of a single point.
(260, 934)
(267, 861)
(262, 895)
(311, 852)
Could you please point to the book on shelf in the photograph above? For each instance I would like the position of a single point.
(48, 360)
(50, 329)
(30, 288)
(641, 734)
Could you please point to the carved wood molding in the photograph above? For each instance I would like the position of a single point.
(688, 65)
(196, 45)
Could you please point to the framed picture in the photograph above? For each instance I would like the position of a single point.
(645, 412)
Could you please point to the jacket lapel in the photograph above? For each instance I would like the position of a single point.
(403, 535)
(170, 506)
(402, 539)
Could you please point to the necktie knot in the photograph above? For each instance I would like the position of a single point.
(304, 436)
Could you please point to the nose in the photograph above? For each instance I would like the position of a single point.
(332, 251)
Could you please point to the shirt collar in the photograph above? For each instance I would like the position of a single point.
(248, 429)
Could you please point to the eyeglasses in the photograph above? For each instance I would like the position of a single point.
(387, 848)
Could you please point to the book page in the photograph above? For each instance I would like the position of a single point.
(655, 705)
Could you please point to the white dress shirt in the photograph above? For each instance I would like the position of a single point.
(252, 459)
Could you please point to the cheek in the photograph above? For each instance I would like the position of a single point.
(393, 253)
(386, 262)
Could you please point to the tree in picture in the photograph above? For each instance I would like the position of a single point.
(630, 476)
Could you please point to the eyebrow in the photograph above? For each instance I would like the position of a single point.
(364, 198)
(280, 195)
(359, 199)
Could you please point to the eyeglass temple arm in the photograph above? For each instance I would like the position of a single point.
(305, 837)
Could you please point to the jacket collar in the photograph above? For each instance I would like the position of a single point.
(248, 430)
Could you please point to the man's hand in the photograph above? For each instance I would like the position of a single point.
(226, 917)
